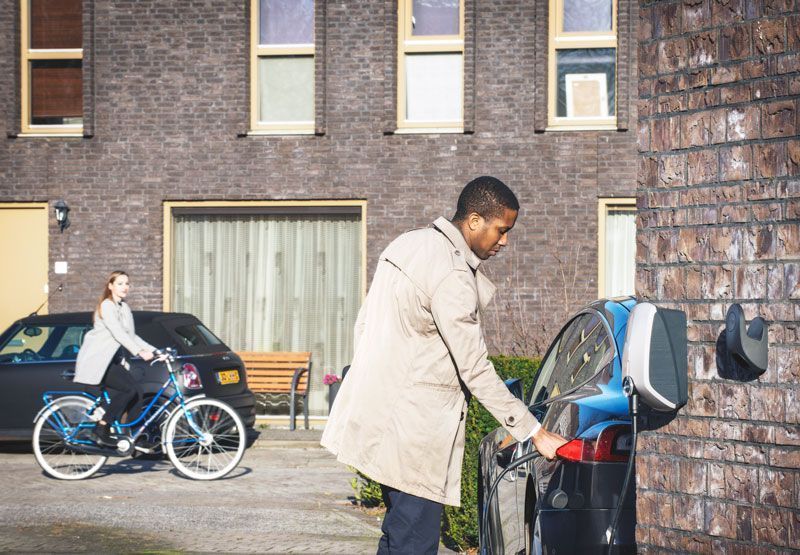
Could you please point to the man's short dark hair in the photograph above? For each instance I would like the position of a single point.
(487, 196)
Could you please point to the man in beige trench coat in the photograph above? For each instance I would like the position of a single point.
(399, 416)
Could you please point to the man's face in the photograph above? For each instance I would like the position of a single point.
(487, 237)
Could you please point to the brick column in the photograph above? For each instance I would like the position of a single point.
(719, 209)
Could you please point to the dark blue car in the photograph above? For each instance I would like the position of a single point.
(567, 505)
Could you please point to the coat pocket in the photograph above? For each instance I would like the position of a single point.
(425, 427)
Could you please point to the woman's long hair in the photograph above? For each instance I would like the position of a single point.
(107, 292)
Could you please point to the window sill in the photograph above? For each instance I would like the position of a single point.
(595, 127)
(428, 130)
(269, 132)
(49, 136)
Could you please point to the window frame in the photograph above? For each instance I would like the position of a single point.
(27, 55)
(604, 205)
(560, 40)
(257, 51)
(407, 43)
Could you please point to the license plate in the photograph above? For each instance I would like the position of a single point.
(225, 377)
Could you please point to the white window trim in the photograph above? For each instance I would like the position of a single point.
(559, 40)
(259, 51)
(603, 206)
(408, 44)
(27, 54)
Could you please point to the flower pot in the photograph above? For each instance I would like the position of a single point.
(333, 389)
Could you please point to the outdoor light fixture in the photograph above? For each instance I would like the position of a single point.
(62, 214)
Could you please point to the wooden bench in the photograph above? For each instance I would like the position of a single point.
(279, 373)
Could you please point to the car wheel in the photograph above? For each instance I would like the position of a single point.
(533, 535)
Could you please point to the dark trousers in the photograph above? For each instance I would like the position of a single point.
(411, 525)
(124, 391)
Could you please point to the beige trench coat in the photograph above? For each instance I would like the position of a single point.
(399, 416)
(100, 345)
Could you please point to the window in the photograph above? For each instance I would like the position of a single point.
(582, 64)
(282, 66)
(430, 84)
(616, 247)
(52, 67)
(582, 349)
(270, 276)
(37, 343)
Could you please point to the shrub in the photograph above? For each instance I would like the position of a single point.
(367, 491)
(460, 525)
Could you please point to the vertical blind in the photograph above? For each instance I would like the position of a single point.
(273, 283)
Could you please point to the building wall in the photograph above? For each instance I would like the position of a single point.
(719, 200)
(170, 106)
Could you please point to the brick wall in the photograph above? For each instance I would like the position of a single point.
(171, 97)
(719, 222)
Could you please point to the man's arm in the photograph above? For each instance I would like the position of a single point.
(454, 309)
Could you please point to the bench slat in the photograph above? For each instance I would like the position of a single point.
(273, 372)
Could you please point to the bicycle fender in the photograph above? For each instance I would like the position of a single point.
(46, 407)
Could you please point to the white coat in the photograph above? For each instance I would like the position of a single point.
(113, 330)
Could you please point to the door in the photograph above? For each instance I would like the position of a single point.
(23, 242)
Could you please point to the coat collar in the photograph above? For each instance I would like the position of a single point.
(457, 239)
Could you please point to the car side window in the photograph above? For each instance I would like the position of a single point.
(70, 342)
(28, 344)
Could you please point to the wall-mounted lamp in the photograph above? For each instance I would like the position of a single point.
(62, 214)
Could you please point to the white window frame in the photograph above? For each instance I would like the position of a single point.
(258, 51)
(407, 43)
(560, 40)
(605, 205)
(28, 54)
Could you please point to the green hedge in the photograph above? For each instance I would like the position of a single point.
(460, 525)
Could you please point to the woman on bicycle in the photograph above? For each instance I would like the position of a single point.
(101, 358)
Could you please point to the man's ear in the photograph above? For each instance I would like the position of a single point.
(474, 221)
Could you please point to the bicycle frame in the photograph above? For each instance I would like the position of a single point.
(69, 433)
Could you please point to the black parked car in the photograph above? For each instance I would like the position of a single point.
(567, 505)
(38, 354)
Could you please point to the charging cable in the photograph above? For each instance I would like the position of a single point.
(485, 521)
(633, 407)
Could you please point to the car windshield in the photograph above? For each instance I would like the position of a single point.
(43, 342)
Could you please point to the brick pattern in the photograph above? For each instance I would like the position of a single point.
(718, 193)
(170, 104)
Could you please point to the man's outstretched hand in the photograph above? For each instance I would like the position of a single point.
(547, 443)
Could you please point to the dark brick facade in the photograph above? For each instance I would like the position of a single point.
(170, 104)
(718, 197)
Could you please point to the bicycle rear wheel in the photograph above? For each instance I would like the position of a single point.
(206, 440)
(56, 437)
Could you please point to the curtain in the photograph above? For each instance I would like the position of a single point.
(620, 263)
(273, 283)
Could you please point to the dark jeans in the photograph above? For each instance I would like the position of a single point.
(411, 525)
(124, 391)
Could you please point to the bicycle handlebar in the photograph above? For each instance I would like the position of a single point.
(167, 354)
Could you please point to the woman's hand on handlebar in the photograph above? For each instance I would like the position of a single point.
(146, 355)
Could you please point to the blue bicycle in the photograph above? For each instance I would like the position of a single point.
(203, 438)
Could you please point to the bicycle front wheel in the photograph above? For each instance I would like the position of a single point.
(205, 440)
(58, 437)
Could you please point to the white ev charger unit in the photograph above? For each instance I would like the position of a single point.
(655, 358)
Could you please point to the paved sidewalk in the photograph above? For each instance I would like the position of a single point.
(287, 496)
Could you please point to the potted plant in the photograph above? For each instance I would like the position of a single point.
(333, 381)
